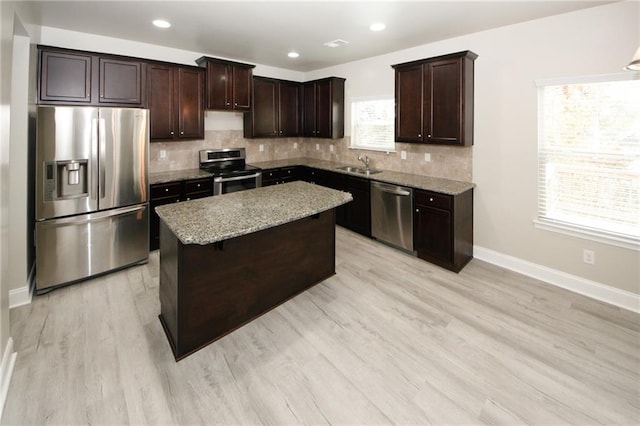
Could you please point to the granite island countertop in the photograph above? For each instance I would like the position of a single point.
(445, 186)
(221, 217)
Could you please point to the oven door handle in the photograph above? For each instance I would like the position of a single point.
(223, 179)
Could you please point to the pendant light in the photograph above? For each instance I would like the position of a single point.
(634, 65)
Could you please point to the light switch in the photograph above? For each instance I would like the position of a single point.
(163, 153)
(331, 147)
(427, 157)
(261, 147)
(295, 145)
(403, 155)
(317, 147)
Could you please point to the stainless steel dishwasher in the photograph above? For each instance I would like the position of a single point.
(392, 214)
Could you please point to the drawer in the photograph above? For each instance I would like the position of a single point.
(287, 172)
(433, 199)
(270, 174)
(161, 190)
(195, 195)
(198, 185)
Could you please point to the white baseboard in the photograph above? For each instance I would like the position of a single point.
(602, 292)
(6, 371)
(22, 295)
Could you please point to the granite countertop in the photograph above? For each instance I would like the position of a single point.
(211, 219)
(445, 186)
(173, 176)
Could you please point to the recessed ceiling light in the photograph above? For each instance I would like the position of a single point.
(293, 54)
(378, 26)
(161, 23)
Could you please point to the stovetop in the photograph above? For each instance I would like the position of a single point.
(226, 162)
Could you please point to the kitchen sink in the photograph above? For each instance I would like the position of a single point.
(360, 170)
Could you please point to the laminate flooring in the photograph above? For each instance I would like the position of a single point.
(390, 339)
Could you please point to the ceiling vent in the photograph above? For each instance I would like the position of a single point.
(336, 43)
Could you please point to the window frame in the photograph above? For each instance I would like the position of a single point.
(568, 228)
(352, 144)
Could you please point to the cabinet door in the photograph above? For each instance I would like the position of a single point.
(358, 212)
(190, 85)
(323, 109)
(242, 88)
(309, 109)
(443, 106)
(161, 102)
(65, 77)
(219, 86)
(433, 233)
(120, 82)
(409, 105)
(289, 111)
(265, 111)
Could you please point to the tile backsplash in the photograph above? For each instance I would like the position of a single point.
(445, 161)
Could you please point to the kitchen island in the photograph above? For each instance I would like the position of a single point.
(227, 259)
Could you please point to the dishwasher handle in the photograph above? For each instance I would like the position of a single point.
(392, 190)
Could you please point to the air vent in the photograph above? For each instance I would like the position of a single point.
(336, 43)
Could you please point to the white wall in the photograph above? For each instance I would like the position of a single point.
(599, 40)
(593, 41)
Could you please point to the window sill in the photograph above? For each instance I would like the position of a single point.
(588, 234)
(362, 148)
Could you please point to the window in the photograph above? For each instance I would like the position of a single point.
(372, 122)
(589, 157)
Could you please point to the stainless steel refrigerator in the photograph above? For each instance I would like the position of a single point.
(92, 192)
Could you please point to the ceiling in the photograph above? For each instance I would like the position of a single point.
(263, 32)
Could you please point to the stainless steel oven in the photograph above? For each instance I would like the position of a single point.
(230, 171)
(223, 185)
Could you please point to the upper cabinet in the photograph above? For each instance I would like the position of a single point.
(434, 100)
(176, 102)
(84, 78)
(276, 109)
(228, 84)
(323, 108)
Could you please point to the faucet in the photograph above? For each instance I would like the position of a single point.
(366, 160)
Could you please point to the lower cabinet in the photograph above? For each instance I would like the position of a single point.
(443, 228)
(357, 213)
(174, 192)
(280, 175)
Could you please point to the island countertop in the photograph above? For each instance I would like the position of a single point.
(221, 217)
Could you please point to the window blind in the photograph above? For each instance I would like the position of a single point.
(589, 155)
(372, 122)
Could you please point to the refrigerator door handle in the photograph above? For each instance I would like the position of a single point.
(95, 145)
(91, 217)
(103, 154)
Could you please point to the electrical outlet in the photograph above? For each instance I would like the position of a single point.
(403, 155)
(589, 256)
(331, 147)
(317, 147)
(295, 145)
(163, 154)
(427, 157)
(261, 147)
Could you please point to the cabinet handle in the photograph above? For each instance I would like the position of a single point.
(198, 185)
(430, 199)
(419, 135)
(228, 103)
(188, 199)
(166, 190)
(182, 133)
(429, 136)
(171, 132)
(417, 210)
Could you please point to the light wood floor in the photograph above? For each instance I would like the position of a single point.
(389, 339)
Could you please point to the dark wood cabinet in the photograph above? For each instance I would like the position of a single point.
(323, 108)
(443, 228)
(85, 78)
(121, 82)
(65, 77)
(228, 84)
(276, 109)
(280, 175)
(434, 100)
(357, 213)
(174, 192)
(176, 102)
